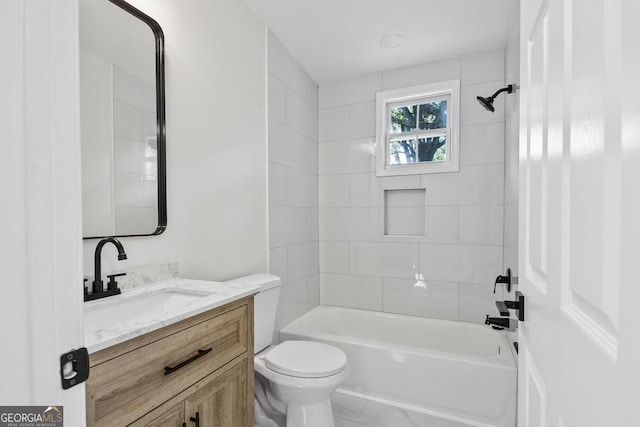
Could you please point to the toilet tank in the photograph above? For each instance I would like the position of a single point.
(265, 304)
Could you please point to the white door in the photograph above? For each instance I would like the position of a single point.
(579, 361)
(40, 217)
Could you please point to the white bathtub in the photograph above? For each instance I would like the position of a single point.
(458, 371)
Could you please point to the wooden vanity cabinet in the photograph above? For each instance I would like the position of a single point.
(128, 384)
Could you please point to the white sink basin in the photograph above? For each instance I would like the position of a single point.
(143, 308)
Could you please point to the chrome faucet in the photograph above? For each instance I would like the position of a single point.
(98, 287)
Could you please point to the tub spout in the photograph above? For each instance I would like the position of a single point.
(498, 322)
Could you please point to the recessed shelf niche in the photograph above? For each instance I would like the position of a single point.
(405, 212)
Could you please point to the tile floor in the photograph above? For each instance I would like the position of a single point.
(350, 411)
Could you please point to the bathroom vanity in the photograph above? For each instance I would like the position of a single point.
(191, 366)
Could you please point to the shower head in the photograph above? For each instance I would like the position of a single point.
(487, 103)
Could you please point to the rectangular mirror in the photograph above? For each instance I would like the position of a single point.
(122, 121)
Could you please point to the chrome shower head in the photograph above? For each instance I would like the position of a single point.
(487, 103)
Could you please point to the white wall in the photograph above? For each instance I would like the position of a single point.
(463, 252)
(216, 144)
(293, 182)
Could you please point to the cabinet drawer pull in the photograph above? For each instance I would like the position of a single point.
(196, 419)
(171, 369)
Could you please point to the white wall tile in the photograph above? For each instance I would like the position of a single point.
(482, 144)
(312, 92)
(473, 185)
(400, 260)
(510, 260)
(292, 303)
(127, 121)
(334, 257)
(287, 226)
(313, 291)
(354, 224)
(365, 259)
(286, 146)
(278, 227)
(430, 72)
(133, 90)
(149, 127)
(334, 223)
(277, 99)
(312, 122)
(482, 67)
(350, 91)
(476, 301)
(302, 261)
(352, 156)
(277, 184)
(293, 182)
(311, 164)
(298, 113)
(365, 190)
(363, 120)
(464, 214)
(278, 264)
(128, 155)
(481, 224)
(511, 160)
(442, 224)
(313, 231)
(334, 123)
(487, 263)
(130, 220)
(128, 189)
(334, 191)
(282, 64)
(351, 291)
(435, 299)
(472, 113)
(405, 221)
(301, 188)
(365, 224)
(511, 224)
(453, 263)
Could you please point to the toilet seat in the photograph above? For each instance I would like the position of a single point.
(305, 359)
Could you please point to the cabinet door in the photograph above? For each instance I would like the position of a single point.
(222, 401)
(173, 417)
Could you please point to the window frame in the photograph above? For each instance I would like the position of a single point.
(429, 92)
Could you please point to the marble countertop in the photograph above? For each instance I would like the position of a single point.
(136, 311)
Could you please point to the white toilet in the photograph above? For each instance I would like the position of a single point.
(293, 378)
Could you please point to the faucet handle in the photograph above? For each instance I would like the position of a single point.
(112, 280)
(85, 286)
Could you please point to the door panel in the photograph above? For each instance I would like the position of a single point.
(579, 210)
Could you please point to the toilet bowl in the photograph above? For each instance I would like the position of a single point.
(299, 377)
(293, 379)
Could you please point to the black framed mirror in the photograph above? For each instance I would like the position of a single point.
(122, 112)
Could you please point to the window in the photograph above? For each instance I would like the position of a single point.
(417, 129)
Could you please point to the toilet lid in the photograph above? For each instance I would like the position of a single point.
(306, 359)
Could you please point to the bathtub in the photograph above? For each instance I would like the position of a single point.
(457, 371)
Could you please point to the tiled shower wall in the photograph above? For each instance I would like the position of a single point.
(293, 183)
(463, 250)
(512, 117)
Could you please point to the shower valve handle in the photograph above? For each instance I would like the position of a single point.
(506, 279)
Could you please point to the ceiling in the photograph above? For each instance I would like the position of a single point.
(337, 39)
